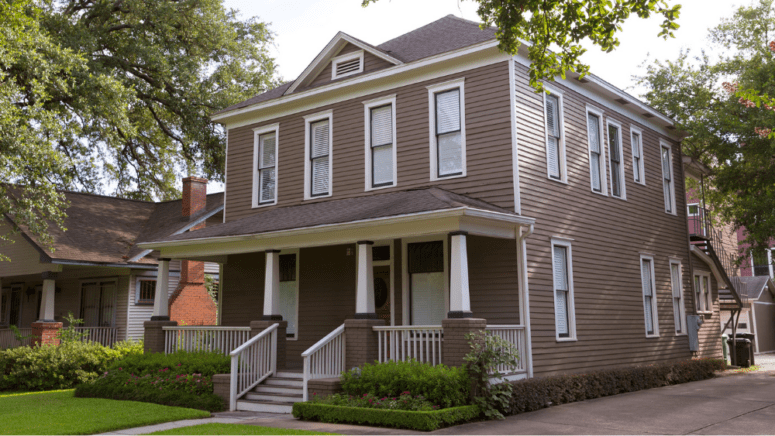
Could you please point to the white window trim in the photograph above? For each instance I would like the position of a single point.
(702, 307)
(432, 91)
(344, 58)
(603, 176)
(297, 252)
(609, 122)
(681, 302)
(642, 165)
(367, 106)
(308, 121)
(405, 303)
(556, 92)
(139, 279)
(566, 243)
(769, 262)
(653, 298)
(688, 205)
(257, 132)
(667, 145)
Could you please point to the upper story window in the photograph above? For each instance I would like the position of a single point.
(265, 165)
(564, 312)
(318, 150)
(667, 178)
(649, 296)
(596, 154)
(447, 129)
(615, 160)
(679, 310)
(555, 139)
(380, 120)
(347, 65)
(638, 167)
(762, 263)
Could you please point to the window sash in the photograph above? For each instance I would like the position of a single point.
(649, 310)
(593, 127)
(667, 179)
(320, 164)
(267, 161)
(449, 133)
(675, 281)
(614, 158)
(706, 290)
(146, 291)
(562, 291)
(553, 121)
(636, 156)
(381, 145)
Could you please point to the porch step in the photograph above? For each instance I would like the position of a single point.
(276, 381)
(265, 389)
(275, 394)
(265, 406)
(294, 397)
(295, 375)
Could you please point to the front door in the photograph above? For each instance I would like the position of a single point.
(382, 292)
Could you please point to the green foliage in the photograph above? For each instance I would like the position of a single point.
(69, 333)
(440, 384)
(56, 367)
(235, 429)
(423, 421)
(17, 334)
(488, 352)
(181, 362)
(405, 401)
(537, 393)
(565, 24)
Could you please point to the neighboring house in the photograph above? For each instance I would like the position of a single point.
(759, 315)
(97, 271)
(394, 195)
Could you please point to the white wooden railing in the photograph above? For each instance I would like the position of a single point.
(325, 359)
(105, 336)
(401, 343)
(8, 339)
(252, 362)
(515, 335)
(204, 338)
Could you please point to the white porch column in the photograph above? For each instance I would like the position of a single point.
(364, 297)
(272, 286)
(161, 305)
(47, 299)
(459, 296)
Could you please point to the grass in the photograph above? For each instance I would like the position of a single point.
(59, 412)
(214, 428)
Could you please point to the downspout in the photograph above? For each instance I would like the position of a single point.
(524, 294)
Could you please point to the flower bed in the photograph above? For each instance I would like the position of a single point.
(407, 419)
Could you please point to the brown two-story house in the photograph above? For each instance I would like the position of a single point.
(394, 197)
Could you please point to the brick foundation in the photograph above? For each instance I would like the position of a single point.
(257, 327)
(222, 388)
(323, 387)
(455, 346)
(361, 341)
(46, 333)
(153, 341)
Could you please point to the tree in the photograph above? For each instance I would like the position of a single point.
(725, 130)
(565, 24)
(114, 96)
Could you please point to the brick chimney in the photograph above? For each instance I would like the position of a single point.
(190, 304)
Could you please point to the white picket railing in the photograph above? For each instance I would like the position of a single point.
(106, 336)
(325, 359)
(401, 343)
(252, 362)
(515, 335)
(8, 339)
(204, 338)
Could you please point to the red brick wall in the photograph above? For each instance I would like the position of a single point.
(194, 195)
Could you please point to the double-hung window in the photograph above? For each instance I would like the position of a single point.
(380, 142)
(564, 313)
(638, 168)
(667, 178)
(702, 292)
(615, 160)
(447, 129)
(679, 310)
(318, 150)
(265, 165)
(596, 158)
(555, 146)
(649, 295)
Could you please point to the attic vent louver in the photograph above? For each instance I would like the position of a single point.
(346, 65)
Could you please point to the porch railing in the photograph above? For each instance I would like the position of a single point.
(252, 362)
(8, 339)
(515, 335)
(105, 336)
(204, 338)
(401, 343)
(325, 359)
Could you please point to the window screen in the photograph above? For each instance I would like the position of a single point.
(449, 137)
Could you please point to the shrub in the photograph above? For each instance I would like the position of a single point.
(534, 394)
(405, 401)
(424, 421)
(440, 384)
(488, 352)
(181, 362)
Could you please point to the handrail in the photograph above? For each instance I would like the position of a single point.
(325, 358)
(319, 344)
(254, 339)
(252, 362)
(406, 327)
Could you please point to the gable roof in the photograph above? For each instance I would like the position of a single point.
(756, 285)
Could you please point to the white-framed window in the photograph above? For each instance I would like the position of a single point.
(145, 291)
(596, 150)
(447, 122)
(762, 263)
(562, 275)
(265, 150)
(347, 65)
(702, 292)
(649, 295)
(693, 209)
(555, 135)
(98, 302)
(380, 127)
(638, 165)
(668, 184)
(289, 291)
(616, 160)
(318, 152)
(676, 284)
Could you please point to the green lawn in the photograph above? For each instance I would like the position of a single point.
(233, 429)
(59, 412)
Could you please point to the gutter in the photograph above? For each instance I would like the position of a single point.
(106, 264)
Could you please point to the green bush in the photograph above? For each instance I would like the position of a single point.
(56, 367)
(440, 384)
(181, 362)
(405, 401)
(534, 394)
(423, 421)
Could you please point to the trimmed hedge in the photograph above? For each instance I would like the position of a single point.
(533, 394)
(181, 362)
(423, 421)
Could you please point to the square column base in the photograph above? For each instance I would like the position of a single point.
(361, 344)
(455, 346)
(46, 332)
(257, 327)
(153, 340)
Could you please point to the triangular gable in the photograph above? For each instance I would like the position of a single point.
(330, 51)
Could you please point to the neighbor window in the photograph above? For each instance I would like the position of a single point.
(595, 137)
(649, 295)
(679, 310)
(98, 303)
(447, 129)
(667, 179)
(317, 168)
(380, 143)
(615, 160)
(564, 317)
(638, 168)
(289, 292)
(146, 291)
(702, 293)
(265, 166)
(555, 146)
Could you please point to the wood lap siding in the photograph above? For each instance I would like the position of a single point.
(488, 144)
(493, 279)
(608, 235)
(710, 330)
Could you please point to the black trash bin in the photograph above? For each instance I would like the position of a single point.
(743, 351)
(751, 337)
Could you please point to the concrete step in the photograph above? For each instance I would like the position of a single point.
(289, 375)
(264, 389)
(280, 398)
(275, 381)
(264, 406)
